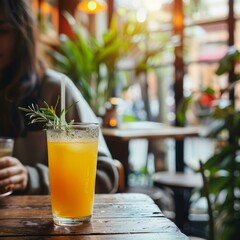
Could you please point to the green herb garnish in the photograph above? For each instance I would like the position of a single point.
(47, 115)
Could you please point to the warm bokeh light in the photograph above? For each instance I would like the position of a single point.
(112, 122)
(92, 6)
(113, 101)
(45, 7)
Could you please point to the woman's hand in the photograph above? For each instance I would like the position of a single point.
(13, 175)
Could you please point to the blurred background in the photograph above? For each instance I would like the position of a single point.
(147, 54)
(138, 59)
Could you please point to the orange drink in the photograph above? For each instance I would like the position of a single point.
(72, 156)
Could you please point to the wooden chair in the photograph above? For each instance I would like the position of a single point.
(181, 185)
(121, 174)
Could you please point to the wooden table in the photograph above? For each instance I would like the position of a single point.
(116, 216)
(118, 139)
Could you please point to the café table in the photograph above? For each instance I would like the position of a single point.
(121, 216)
(118, 139)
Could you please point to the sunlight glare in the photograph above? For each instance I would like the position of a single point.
(150, 6)
(141, 15)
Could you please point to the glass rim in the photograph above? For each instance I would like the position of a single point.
(73, 125)
(6, 140)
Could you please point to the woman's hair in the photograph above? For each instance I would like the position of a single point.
(21, 77)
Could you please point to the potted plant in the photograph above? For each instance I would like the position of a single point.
(93, 65)
(221, 172)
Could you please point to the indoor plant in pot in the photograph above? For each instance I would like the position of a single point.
(221, 172)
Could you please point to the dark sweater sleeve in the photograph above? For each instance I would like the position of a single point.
(38, 180)
(107, 176)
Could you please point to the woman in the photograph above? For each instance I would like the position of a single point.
(23, 81)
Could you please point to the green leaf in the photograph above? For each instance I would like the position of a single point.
(46, 115)
(227, 63)
(213, 163)
(182, 108)
(218, 184)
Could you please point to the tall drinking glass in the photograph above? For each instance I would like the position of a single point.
(6, 149)
(72, 156)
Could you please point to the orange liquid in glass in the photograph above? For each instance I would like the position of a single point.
(72, 167)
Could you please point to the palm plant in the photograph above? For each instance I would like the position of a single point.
(93, 65)
(81, 59)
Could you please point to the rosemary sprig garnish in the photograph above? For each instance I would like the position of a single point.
(46, 115)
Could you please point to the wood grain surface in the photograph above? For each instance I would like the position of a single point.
(115, 216)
